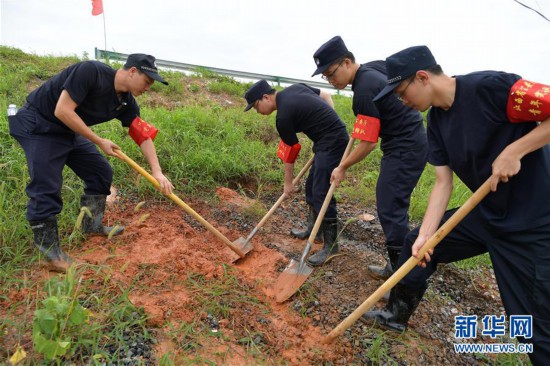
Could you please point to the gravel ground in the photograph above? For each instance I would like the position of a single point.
(334, 291)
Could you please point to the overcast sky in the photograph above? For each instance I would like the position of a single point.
(279, 37)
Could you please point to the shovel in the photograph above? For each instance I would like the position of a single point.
(241, 251)
(449, 225)
(296, 273)
(245, 243)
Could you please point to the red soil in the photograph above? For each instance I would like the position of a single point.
(161, 251)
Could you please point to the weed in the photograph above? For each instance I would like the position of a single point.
(483, 260)
(204, 73)
(214, 300)
(377, 351)
(511, 359)
(219, 296)
(252, 341)
(224, 87)
(308, 295)
(254, 212)
(62, 323)
(167, 359)
(193, 88)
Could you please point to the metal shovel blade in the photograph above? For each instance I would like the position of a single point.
(244, 245)
(291, 279)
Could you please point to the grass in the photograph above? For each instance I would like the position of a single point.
(307, 295)
(215, 299)
(200, 146)
(112, 322)
(218, 296)
(377, 351)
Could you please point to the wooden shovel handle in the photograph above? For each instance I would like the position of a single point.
(328, 197)
(284, 195)
(180, 203)
(449, 225)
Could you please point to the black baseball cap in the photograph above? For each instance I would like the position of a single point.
(404, 64)
(256, 91)
(328, 53)
(146, 64)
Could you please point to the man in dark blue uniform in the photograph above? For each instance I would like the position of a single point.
(481, 125)
(53, 129)
(402, 134)
(301, 108)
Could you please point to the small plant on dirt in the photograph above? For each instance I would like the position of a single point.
(204, 72)
(511, 359)
(184, 335)
(254, 212)
(215, 300)
(187, 337)
(61, 324)
(474, 262)
(167, 359)
(345, 225)
(218, 296)
(377, 351)
(252, 341)
(193, 88)
(308, 295)
(127, 338)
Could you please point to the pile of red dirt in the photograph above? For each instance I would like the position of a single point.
(163, 250)
(162, 245)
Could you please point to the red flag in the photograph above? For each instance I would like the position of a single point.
(97, 7)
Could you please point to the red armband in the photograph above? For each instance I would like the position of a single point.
(288, 153)
(528, 102)
(140, 131)
(366, 128)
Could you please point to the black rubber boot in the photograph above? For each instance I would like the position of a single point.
(94, 225)
(46, 239)
(304, 234)
(383, 273)
(402, 303)
(331, 248)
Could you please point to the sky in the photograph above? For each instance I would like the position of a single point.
(279, 37)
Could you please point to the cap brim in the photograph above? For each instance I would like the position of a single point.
(321, 69)
(250, 105)
(156, 77)
(387, 90)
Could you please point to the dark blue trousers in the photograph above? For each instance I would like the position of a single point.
(48, 148)
(399, 174)
(318, 180)
(521, 262)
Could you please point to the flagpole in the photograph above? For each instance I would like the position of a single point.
(104, 31)
(97, 8)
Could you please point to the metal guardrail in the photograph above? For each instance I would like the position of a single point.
(111, 55)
